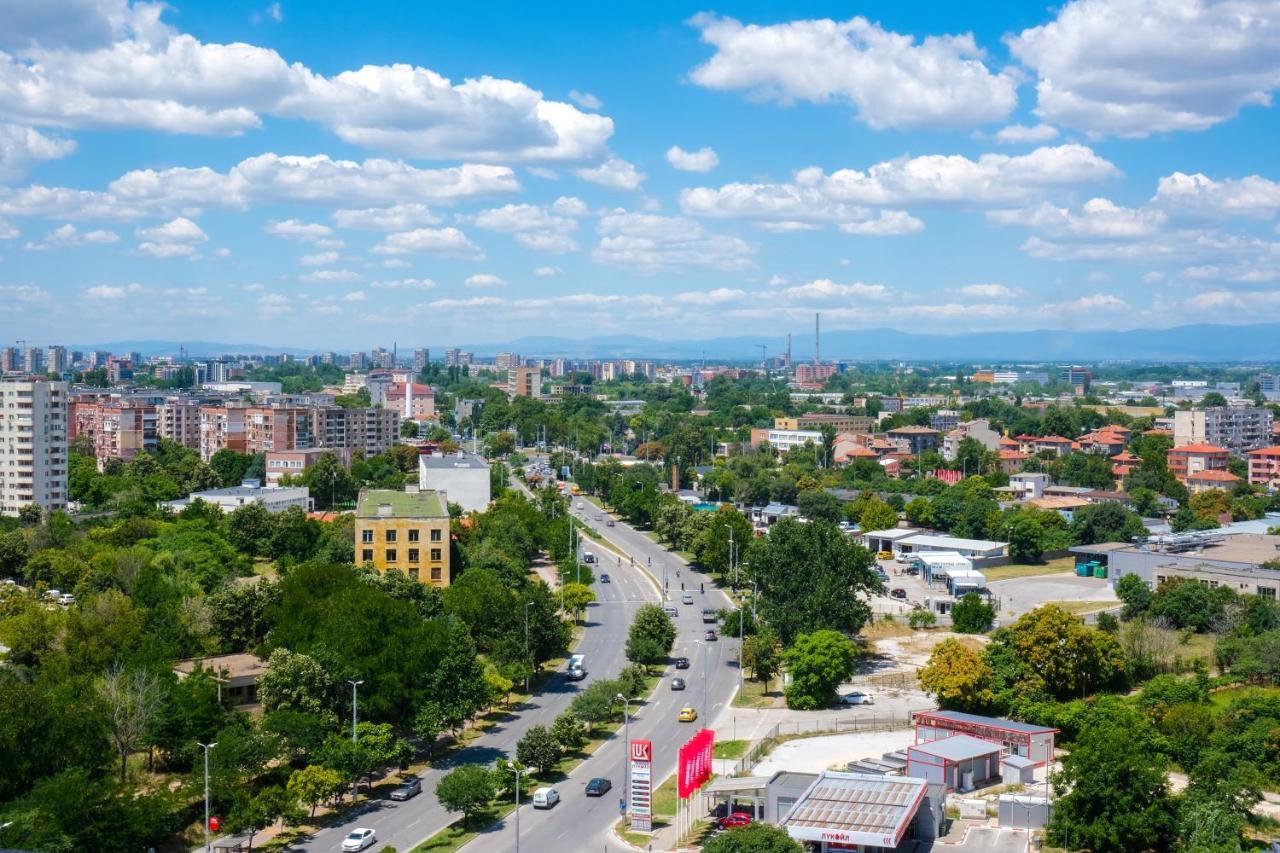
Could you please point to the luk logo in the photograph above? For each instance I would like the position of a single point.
(641, 750)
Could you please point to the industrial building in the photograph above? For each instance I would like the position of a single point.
(1216, 558)
(906, 540)
(1023, 739)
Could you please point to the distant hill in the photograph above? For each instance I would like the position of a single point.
(197, 349)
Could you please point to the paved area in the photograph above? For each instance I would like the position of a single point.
(832, 752)
(977, 839)
(1017, 596)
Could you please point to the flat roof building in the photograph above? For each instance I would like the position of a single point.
(237, 675)
(840, 810)
(1025, 739)
(273, 499)
(406, 531)
(909, 541)
(461, 478)
(1213, 557)
(960, 762)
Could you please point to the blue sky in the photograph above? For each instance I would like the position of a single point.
(333, 176)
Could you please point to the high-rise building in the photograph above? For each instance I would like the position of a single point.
(178, 420)
(1239, 429)
(115, 428)
(56, 360)
(97, 358)
(506, 360)
(1077, 377)
(524, 382)
(33, 444)
(119, 369)
(10, 360)
(33, 360)
(384, 358)
(356, 361)
(457, 358)
(421, 357)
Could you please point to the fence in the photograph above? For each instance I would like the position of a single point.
(798, 728)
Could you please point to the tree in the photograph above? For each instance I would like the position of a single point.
(329, 481)
(1135, 594)
(569, 732)
(878, 515)
(313, 785)
(712, 547)
(1051, 651)
(921, 618)
(818, 663)
(29, 515)
(1093, 811)
(958, 677)
(1026, 538)
(249, 529)
(577, 598)
(1190, 604)
(972, 615)
(810, 577)
(262, 809)
(818, 505)
(468, 789)
(595, 703)
(919, 512)
(539, 748)
(1105, 522)
(651, 635)
(762, 655)
(754, 838)
(296, 682)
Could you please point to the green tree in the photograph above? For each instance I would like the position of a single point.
(1050, 651)
(818, 505)
(762, 655)
(754, 838)
(329, 481)
(651, 636)
(1136, 595)
(468, 789)
(250, 528)
(919, 512)
(972, 614)
(577, 598)
(818, 664)
(596, 703)
(539, 748)
(878, 515)
(266, 806)
(958, 677)
(569, 732)
(1105, 522)
(313, 785)
(712, 548)
(296, 682)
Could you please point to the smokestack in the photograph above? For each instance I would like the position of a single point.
(817, 355)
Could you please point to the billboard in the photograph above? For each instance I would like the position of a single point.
(694, 764)
(641, 793)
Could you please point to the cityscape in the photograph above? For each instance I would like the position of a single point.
(728, 429)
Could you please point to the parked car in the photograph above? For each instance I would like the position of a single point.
(407, 789)
(605, 579)
(66, 599)
(884, 555)
(677, 683)
(735, 820)
(687, 715)
(545, 798)
(857, 698)
(687, 598)
(671, 611)
(359, 839)
(682, 663)
(898, 592)
(598, 787)
(710, 636)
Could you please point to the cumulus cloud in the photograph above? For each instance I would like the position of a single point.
(1018, 133)
(825, 288)
(174, 239)
(1093, 304)
(1199, 195)
(534, 226)
(483, 280)
(614, 173)
(1096, 218)
(405, 284)
(294, 229)
(68, 235)
(442, 241)
(989, 291)
(1135, 67)
(319, 259)
(652, 242)
(109, 292)
(890, 79)
(23, 294)
(330, 276)
(702, 160)
(547, 272)
(399, 217)
(21, 148)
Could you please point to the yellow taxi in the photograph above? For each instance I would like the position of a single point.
(687, 715)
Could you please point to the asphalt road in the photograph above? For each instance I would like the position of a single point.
(407, 824)
(582, 823)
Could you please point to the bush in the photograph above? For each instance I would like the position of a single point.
(631, 681)
(539, 749)
(972, 615)
(922, 619)
(818, 663)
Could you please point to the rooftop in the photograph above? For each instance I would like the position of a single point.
(452, 460)
(856, 808)
(1265, 451)
(1214, 476)
(912, 430)
(957, 748)
(1198, 448)
(421, 504)
(979, 720)
(249, 492)
(235, 666)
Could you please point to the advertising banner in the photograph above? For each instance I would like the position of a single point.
(641, 793)
(694, 763)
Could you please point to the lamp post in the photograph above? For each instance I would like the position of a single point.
(354, 715)
(528, 665)
(516, 768)
(626, 749)
(206, 747)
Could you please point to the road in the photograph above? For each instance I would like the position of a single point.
(604, 637)
(582, 823)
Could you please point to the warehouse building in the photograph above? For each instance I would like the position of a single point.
(1214, 557)
(1015, 738)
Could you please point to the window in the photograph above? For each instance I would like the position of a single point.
(366, 535)
(435, 574)
(391, 536)
(414, 534)
(413, 555)
(435, 535)
(391, 555)
(366, 556)
(1267, 592)
(435, 554)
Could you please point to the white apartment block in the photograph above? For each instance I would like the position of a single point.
(1237, 428)
(789, 439)
(33, 445)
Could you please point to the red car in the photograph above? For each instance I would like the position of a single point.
(735, 820)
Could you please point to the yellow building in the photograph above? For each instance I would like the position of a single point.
(408, 531)
(818, 420)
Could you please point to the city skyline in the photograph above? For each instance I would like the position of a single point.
(235, 173)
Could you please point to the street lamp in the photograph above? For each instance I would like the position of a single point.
(516, 768)
(354, 685)
(206, 747)
(528, 666)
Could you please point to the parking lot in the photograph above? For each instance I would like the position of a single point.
(1021, 595)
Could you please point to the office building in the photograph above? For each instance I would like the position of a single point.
(1239, 429)
(460, 478)
(33, 360)
(10, 360)
(56, 360)
(407, 531)
(1077, 377)
(33, 444)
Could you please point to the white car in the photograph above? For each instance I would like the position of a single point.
(358, 840)
(857, 698)
(66, 599)
(545, 798)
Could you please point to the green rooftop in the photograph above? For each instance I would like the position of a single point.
(423, 504)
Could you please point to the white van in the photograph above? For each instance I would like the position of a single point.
(545, 798)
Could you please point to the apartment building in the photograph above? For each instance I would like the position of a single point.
(457, 358)
(1189, 459)
(413, 400)
(56, 360)
(979, 430)
(917, 439)
(807, 372)
(1239, 429)
(421, 358)
(819, 420)
(1264, 467)
(407, 531)
(294, 463)
(178, 420)
(116, 429)
(524, 382)
(506, 360)
(785, 439)
(277, 428)
(368, 430)
(222, 428)
(33, 444)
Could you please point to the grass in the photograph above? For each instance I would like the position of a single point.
(636, 839)
(1222, 698)
(1081, 607)
(664, 798)
(729, 749)
(752, 695)
(1199, 646)
(457, 835)
(1057, 566)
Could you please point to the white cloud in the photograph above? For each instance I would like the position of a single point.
(890, 223)
(330, 276)
(274, 12)
(614, 173)
(405, 284)
(567, 205)
(1097, 303)
(585, 99)
(890, 79)
(174, 239)
(547, 272)
(825, 288)
(1098, 218)
(400, 217)
(702, 160)
(989, 291)
(319, 259)
(111, 292)
(354, 296)
(67, 235)
(395, 264)
(24, 147)
(534, 226)
(483, 280)
(444, 241)
(23, 294)
(138, 72)
(652, 242)
(1199, 195)
(1019, 133)
(1136, 67)
(294, 229)
(1153, 277)
(274, 304)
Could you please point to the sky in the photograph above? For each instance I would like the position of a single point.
(335, 175)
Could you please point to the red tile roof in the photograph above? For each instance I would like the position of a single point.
(1199, 448)
(1214, 476)
(1265, 451)
(1053, 439)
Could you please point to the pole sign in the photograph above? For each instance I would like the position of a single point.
(641, 792)
(694, 764)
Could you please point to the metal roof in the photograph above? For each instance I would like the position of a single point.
(991, 722)
(1018, 761)
(957, 748)
(856, 808)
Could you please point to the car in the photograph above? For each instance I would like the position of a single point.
(579, 507)
(709, 615)
(598, 787)
(671, 611)
(735, 820)
(898, 592)
(677, 683)
(407, 789)
(577, 673)
(359, 839)
(545, 798)
(609, 523)
(884, 555)
(66, 599)
(682, 663)
(687, 715)
(605, 579)
(710, 636)
(687, 598)
(857, 698)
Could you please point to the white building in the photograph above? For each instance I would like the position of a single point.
(1237, 428)
(788, 439)
(274, 499)
(461, 477)
(33, 444)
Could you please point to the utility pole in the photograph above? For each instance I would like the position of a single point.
(354, 685)
(516, 768)
(206, 748)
